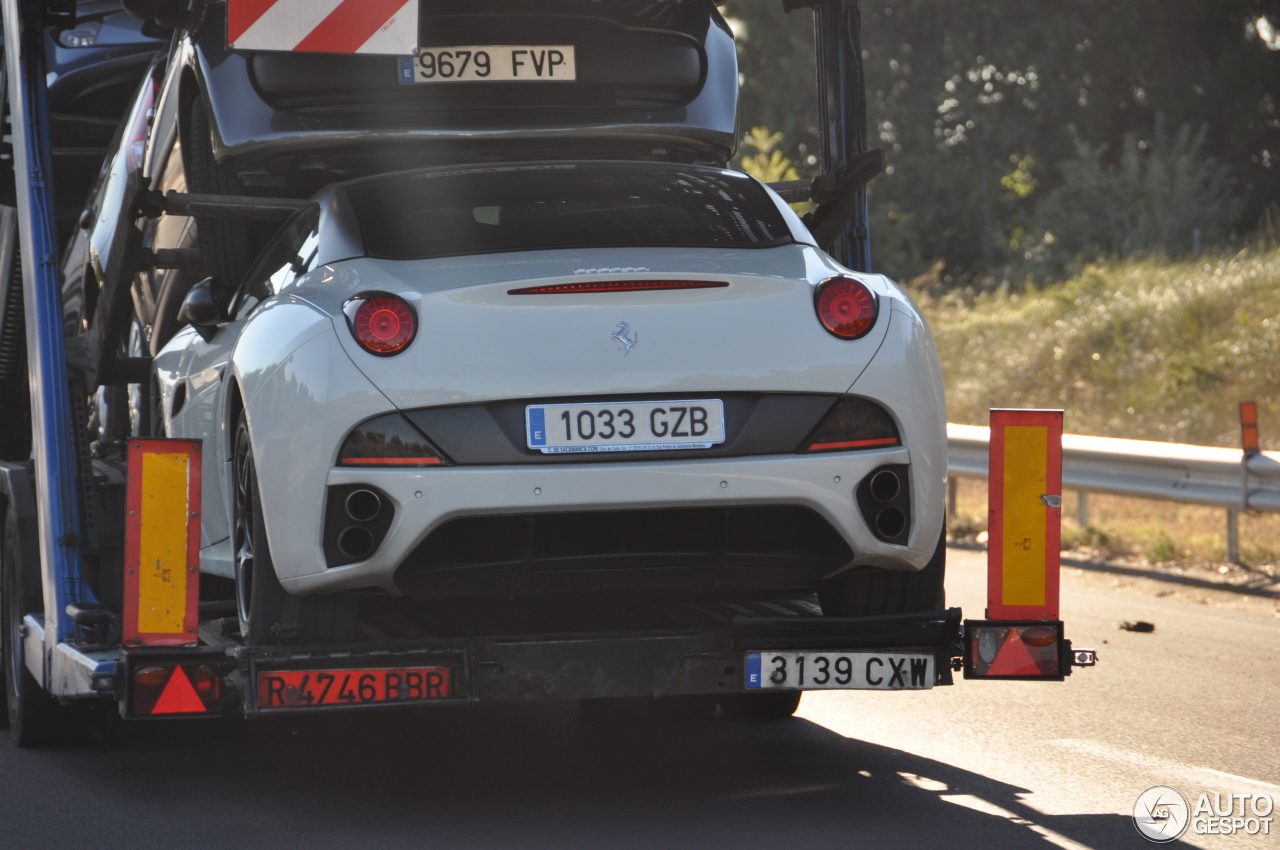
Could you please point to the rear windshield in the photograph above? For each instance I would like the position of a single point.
(428, 214)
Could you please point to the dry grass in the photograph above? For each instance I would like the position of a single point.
(1166, 535)
(1144, 349)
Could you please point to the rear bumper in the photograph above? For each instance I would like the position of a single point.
(425, 499)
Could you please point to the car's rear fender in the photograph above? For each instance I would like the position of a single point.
(301, 396)
(906, 378)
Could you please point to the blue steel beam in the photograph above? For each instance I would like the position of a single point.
(54, 432)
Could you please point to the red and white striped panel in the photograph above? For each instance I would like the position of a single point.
(324, 26)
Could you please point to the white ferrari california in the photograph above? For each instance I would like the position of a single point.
(557, 378)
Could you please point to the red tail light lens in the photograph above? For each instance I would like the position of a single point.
(846, 307)
(383, 324)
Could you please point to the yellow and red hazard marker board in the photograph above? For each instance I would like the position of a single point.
(324, 26)
(1025, 528)
(162, 543)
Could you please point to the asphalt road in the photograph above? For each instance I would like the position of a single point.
(1195, 705)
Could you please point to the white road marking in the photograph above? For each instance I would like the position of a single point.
(1213, 777)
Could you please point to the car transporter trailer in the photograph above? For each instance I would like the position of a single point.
(134, 524)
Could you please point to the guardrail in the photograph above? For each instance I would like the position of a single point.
(1197, 475)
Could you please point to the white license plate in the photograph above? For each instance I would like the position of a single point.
(491, 63)
(636, 426)
(854, 671)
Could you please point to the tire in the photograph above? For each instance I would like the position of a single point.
(776, 705)
(33, 717)
(268, 614)
(877, 592)
(227, 247)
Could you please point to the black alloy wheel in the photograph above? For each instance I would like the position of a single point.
(259, 596)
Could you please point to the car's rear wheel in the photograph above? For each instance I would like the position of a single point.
(268, 614)
(876, 592)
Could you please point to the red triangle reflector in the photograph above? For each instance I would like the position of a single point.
(179, 697)
(1014, 659)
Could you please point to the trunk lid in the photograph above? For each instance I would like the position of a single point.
(478, 342)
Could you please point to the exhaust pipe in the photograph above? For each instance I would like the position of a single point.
(363, 505)
(885, 486)
(890, 522)
(356, 542)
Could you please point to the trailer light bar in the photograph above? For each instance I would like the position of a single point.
(174, 689)
(1032, 650)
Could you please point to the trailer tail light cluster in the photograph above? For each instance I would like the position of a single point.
(382, 323)
(1003, 649)
(854, 423)
(172, 689)
(388, 441)
(846, 307)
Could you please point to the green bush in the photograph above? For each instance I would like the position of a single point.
(1166, 196)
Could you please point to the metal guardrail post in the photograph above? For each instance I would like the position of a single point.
(1082, 508)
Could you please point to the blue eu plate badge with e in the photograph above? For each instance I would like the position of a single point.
(537, 426)
(406, 69)
(753, 670)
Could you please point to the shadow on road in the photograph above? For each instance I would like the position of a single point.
(512, 776)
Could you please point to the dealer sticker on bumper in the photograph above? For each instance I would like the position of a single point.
(854, 671)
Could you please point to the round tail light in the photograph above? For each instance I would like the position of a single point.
(846, 307)
(383, 324)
